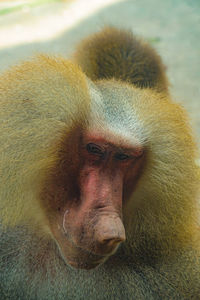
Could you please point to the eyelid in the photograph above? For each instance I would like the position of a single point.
(94, 149)
(122, 156)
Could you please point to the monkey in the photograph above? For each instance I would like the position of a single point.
(99, 184)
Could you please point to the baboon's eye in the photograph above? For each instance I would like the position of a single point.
(94, 149)
(121, 156)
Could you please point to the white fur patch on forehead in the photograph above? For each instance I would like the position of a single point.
(113, 115)
(116, 137)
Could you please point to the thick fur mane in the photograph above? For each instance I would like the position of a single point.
(48, 277)
(116, 53)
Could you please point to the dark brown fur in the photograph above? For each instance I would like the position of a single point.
(116, 53)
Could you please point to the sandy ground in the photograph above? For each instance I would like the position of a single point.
(173, 27)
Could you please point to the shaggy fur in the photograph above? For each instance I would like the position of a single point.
(41, 102)
(118, 53)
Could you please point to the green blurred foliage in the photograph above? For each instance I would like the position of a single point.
(29, 4)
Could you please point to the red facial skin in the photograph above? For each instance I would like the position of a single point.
(89, 227)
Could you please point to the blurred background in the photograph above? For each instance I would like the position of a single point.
(28, 27)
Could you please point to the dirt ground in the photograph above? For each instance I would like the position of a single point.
(172, 26)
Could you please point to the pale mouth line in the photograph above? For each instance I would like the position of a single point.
(85, 265)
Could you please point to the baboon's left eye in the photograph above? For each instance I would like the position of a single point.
(121, 156)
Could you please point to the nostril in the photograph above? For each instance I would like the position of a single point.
(109, 232)
(113, 241)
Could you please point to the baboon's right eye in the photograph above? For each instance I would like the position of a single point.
(94, 149)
